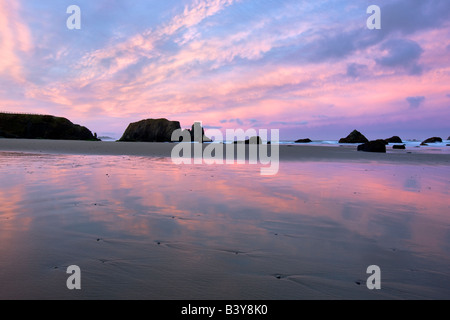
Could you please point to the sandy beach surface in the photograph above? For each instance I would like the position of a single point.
(286, 152)
(141, 227)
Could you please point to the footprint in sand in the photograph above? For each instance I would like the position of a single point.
(359, 282)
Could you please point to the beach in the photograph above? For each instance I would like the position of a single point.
(141, 227)
(235, 151)
(286, 152)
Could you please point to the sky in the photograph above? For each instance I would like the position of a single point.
(312, 69)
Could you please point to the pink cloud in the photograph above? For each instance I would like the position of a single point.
(181, 71)
(14, 39)
(191, 16)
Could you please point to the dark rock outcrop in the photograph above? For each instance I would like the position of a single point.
(354, 137)
(150, 130)
(30, 126)
(383, 141)
(431, 140)
(373, 146)
(394, 139)
(252, 140)
(303, 141)
(6, 135)
(399, 147)
(195, 136)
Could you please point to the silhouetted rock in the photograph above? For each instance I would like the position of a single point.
(448, 138)
(354, 137)
(6, 135)
(195, 136)
(373, 146)
(28, 126)
(399, 147)
(252, 140)
(150, 130)
(432, 140)
(303, 141)
(383, 141)
(394, 139)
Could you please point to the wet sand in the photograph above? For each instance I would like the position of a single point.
(286, 152)
(141, 227)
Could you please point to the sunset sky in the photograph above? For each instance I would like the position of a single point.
(309, 68)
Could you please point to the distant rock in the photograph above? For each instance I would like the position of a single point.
(150, 130)
(448, 138)
(195, 136)
(399, 147)
(432, 140)
(354, 137)
(303, 141)
(106, 138)
(383, 141)
(394, 139)
(30, 126)
(252, 140)
(373, 146)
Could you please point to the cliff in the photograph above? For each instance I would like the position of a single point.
(30, 126)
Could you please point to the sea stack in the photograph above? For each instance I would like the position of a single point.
(354, 137)
(251, 140)
(304, 141)
(394, 139)
(373, 146)
(431, 140)
(150, 130)
(198, 133)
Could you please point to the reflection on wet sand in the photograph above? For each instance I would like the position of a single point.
(145, 228)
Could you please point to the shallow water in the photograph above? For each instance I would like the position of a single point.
(144, 228)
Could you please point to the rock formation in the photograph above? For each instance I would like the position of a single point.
(383, 141)
(30, 126)
(195, 136)
(394, 139)
(303, 141)
(373, 146)
(399, 147)
(431, 140)
(252, 140)
(354, 137)
(150, 130)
